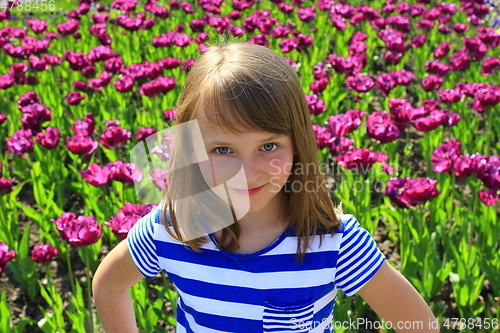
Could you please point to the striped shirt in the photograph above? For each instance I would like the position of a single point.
(267, 291)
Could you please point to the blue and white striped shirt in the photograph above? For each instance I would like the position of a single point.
(267, 291)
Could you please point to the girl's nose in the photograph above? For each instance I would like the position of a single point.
(252, 168)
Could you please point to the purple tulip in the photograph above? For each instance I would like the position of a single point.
(7, 81)
(126, 218)
(52, 60)
(96, 176)
(5, 256)
(114, 137)
(450, 95)
(127, 173)
(385, 83)
(340, 145)
(490, 66)
(159, 178)
(437, 68)
(488, 95)
(475, 48)
(100, 82)
(20, 142)
(466, 165)
(489, 172)
(323, 136)
(38, 64)
(38, 26)
(403, 77)
(124, 84)
(460, 60)
(169, 114)
(50, 138)
(360, 83)
(411, 192)
(432, 82)
(85, 127)
(380, 126)
(319, 85)
(43, 253)
(101, 53)
(77, 61)
(113, 65)
(81, 145)
(74, 98)
(442, 50)
(360, 159)
(144, 132)
(6, 185)
(488, 197)
(344, 123)
(418, 40)
(69, 27)
(444, 156)
(78, 231)
(306, 14)
(158, 86)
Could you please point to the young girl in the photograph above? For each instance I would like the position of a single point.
(277, 260)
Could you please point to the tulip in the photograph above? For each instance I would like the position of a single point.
(20, 142)
(488, 197)
(385, 83)
(475, 48)
(306, 14)
(5, 256)
(81, 145)
(102, 81)
(418, 40)
(411, 192)
(49, 139)
(6, 185)
(96, 176)
(450, 95)
(362, 159)
(380, 126)
(360, 83)
(444, 156)
(127, 173)
(490, 65)
(169, 114)
(69, 27)
(442, 50)
(114, 137)
(489, 172)
(323, 136)
(38, 64)
(432, 82)
(77, 61)
(488, 95)
(160, 85)
(340, 145)
(52, 60)
(127, 217)
(78, 231)
(144, 132)
(319, 85)
(344, 123)
(74, 98)
(403, 77)
(7, 81)
(466, 165)
(437, 68)
(84, 127)
(159, 178)
(101, 53)
(460, 60)
(43, 253)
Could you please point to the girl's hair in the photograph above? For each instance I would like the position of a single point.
(247, 87)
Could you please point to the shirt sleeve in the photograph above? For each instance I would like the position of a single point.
(141, 244)
(359, 257)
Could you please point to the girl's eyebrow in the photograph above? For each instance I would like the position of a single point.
(270, 138)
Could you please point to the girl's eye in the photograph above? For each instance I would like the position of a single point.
(221, 150)
(270, 146)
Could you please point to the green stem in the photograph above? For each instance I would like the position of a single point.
(89, 286)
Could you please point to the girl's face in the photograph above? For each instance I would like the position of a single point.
(252, 166)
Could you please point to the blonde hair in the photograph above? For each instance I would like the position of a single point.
(247, 87)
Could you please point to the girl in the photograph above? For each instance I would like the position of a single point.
(277, 260)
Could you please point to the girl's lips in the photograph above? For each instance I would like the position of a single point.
(249, 192)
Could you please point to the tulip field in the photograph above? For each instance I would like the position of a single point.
(405, 103)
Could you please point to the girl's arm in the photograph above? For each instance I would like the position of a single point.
(111, 283)
(394, 299)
